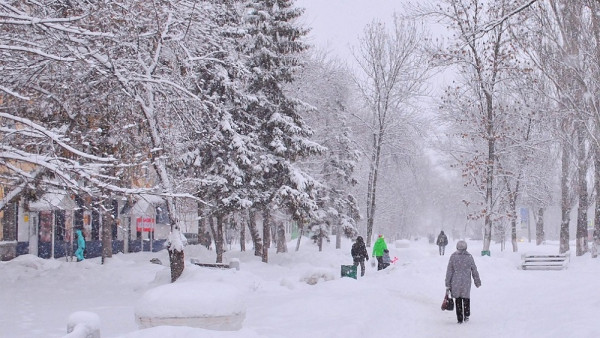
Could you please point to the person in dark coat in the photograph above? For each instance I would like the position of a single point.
(359, 254)
(461, 267)
(442, 241)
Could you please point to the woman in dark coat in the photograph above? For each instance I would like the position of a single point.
(461, 267)
(359, 254)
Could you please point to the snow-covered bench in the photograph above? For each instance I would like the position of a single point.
(534, 261)
(233, 264)
(207, 305)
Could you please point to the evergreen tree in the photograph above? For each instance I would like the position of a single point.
(273, 44)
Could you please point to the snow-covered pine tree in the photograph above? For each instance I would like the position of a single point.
(273, 44)
(326, 86)
(220, 142)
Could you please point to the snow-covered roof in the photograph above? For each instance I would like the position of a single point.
(53, 201)
(145, 205)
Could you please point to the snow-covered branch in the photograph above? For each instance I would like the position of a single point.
(55, 138)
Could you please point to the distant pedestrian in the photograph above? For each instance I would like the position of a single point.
(378, 248)
(461, 267)
(359, 254)
(206, 240)
(442, 241)
(80, 245)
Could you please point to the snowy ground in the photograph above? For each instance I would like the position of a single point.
(37, 296)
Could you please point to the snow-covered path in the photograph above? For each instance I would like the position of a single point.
(37, 295)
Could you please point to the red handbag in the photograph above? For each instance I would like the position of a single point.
(448, 303)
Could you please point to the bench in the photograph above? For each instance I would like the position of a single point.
(233, 264)
(531, 261)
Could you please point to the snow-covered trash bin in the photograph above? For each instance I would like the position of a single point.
(212, 306)
(83, 324)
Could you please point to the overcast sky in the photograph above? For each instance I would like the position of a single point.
(337, 24)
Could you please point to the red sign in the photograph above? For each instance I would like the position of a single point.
(145, 224)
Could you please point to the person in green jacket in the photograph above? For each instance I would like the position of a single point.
(378, 248)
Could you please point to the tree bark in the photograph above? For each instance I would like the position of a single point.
(513, 232)
(177, 264)
(338, 235)
(242, 235)
(266, 234)
(107, 212)
(107, 225)
(582, 169)
(300, 234)
(597, 187)
(254, 233)
(539, 227)
(281, 244)
(489, 191)
(565, 199)
(219, 238)
(372, 193)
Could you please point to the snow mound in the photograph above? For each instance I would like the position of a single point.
(213, 306)
(83, 324)
(35, 262)
(313, 277)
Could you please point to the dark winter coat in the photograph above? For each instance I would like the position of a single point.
(442, 239)
(359, 250)
(461, 267)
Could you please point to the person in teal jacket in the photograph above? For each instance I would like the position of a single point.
(80, 245)
(378, 248)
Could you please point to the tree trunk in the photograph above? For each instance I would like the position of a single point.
(107, 225)
(201, 224)
(219, 238)
(338, 235)
(254, 234)
(513, 234)
(489, 200)
(597, 187)
(513, 220)
(107, 222)
(242, 235)
(372, 188)
(213, 230)
(266, 234)
(300, 234)
(582, 218)
(539, 227)
(565, 200)
(281, 244)
(320, 239)
(177, 264)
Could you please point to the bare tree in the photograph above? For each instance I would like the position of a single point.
(392, 75)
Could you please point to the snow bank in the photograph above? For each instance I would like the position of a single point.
(213, 306)
(83, 324)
